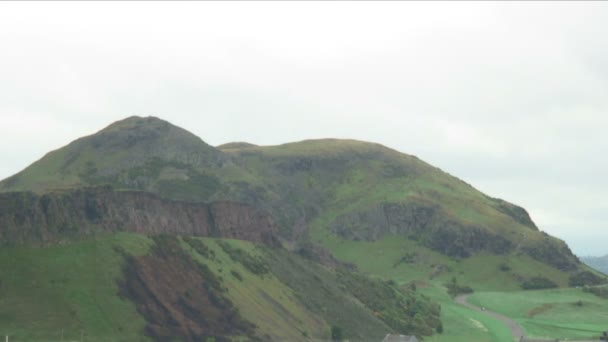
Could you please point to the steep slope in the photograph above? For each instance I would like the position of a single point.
(129, 287)
(318, 191)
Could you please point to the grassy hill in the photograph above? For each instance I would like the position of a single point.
(371, 235)
(129, 287)
(352, 190)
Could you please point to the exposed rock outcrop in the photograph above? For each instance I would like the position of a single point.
(27, 217)
(424, 222)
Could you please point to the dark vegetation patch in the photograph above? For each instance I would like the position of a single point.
(180, 298)
(586, 278)
(254, 264)
(601, 292)
(199, 247)
(401, 309)
(504, 267)
(455, 289)
(236, 274)
(537, 283)
(197, 186)
(406, 258)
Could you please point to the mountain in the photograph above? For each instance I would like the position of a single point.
(143, 222)
(599, 263)
(352, 190)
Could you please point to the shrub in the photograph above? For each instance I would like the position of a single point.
(503, 267)
(537, 283)
(254, 264)
(455, 289)
(237, 275)
(586, 278)
(200, 247)
(601, 292)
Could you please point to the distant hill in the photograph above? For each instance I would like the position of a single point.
(599, 263)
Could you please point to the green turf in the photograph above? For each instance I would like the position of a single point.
(68, 290)
(551, 313)
(262, 299)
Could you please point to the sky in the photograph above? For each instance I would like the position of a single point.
(511, 97)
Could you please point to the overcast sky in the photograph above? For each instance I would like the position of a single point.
(511, 97)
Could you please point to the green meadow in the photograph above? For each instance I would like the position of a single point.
(560, 313)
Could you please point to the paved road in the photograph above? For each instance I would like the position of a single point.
(516, 330)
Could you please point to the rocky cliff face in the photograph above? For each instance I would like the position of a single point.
(424, 222)
(435, 229)
(27, 217)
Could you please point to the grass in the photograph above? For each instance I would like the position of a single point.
(482, 272)
(550, 313)
(261, 299)
(461, 324)
(65, 290)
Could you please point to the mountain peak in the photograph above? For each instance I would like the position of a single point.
(135, 122)
(115, 154)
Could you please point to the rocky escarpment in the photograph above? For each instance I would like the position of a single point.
(422, 221)
(427, 223)
(27, 217)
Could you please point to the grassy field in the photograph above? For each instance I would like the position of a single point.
(461, 324)
(560, 313)
(482, 272)
(65, 290)
(547, 313)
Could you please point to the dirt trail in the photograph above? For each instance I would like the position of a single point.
(516, 330)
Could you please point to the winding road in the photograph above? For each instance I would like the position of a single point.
(516, 330)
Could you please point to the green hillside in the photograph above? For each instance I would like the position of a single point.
(109, 289)
(372, 239)
(316, 189)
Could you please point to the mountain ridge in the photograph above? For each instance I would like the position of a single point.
(311, 188)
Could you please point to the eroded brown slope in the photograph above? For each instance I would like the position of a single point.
(180, 298)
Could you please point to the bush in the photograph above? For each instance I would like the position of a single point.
(601, 292)
(200, 247)
(503, 267)
(586, 278)
(237, 275)
(455, 289)
(254, 264)
(537, 283)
